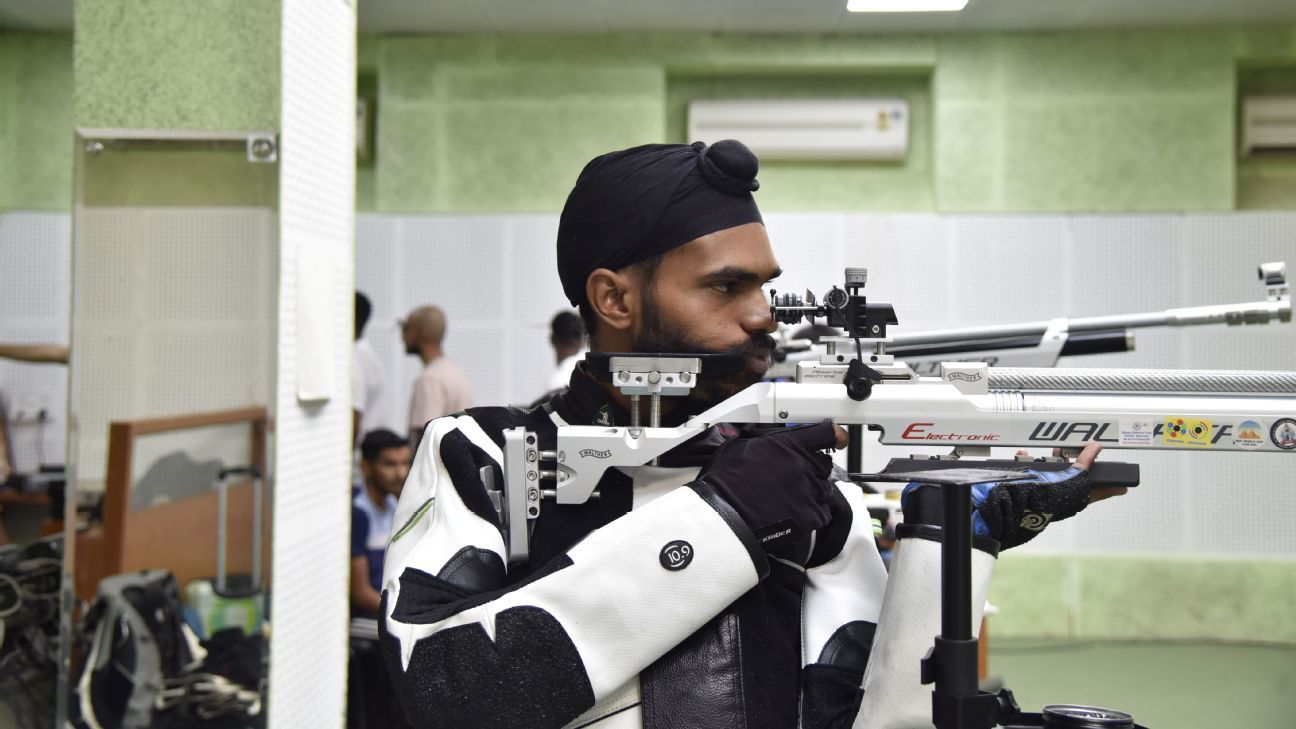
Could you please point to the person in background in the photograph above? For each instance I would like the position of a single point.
(567, 337)
(368, 381)
(384, 462)
(441, 388)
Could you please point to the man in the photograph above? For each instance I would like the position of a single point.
(368, 381)
(567, 338)
(384, 463)
(761, 616)
(441, 388)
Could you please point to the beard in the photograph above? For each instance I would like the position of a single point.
(659, 337)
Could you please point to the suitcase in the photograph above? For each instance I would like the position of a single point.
(227, 600)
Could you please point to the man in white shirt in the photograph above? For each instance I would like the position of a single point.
(370, 410)
(441, 388)
(567, 336)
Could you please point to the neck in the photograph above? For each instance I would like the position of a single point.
(376, 494)
(429, 352)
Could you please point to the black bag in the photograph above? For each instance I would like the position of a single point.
(137, 640)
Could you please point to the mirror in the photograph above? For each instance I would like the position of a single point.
(34, 254)
(171, 390)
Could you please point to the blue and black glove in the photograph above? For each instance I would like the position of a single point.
(1010, 513)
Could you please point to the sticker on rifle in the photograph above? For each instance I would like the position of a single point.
(1250, 435)
(1189, 432)
(1136, 432)
(1283, 434)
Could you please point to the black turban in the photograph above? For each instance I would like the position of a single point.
(631, 205)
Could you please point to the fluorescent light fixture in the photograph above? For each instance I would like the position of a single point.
(905, 6)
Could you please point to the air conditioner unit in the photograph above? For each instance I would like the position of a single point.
(1268, 125)
(806, 129)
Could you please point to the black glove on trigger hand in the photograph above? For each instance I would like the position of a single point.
(776, 482)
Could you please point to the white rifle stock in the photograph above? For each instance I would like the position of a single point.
(968, 406)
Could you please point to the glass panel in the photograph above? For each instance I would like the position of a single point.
(172, 376)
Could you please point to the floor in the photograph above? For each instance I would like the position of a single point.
(1164, 685)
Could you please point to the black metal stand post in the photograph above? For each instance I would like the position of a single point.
(855, 449)
(951, 665)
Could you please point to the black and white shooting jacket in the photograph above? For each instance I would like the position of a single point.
(606, 626)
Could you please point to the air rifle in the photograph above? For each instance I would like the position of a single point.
(968, 406)
(1041, 343)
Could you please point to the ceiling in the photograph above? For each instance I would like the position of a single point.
(745, 16)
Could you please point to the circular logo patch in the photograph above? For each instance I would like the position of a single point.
(1283, 434)
(676, 555)
(1250, 435)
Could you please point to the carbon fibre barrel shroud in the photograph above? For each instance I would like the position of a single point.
(1114, 380)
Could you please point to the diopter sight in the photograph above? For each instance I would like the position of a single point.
(846, 309)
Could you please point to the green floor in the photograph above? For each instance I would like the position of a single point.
(1164, 685)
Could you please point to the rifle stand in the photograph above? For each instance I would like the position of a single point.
(951, 664)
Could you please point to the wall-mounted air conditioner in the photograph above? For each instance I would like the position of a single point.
(806, 129)
(1268, 125)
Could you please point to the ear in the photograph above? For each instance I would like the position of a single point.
(614, 297)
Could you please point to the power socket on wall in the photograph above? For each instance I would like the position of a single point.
(30, 416)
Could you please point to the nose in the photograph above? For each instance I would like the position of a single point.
(759, 318)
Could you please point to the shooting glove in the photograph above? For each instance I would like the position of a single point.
(776, 482)
(1010, 513)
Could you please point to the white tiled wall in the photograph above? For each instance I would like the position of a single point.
(312, 455)
(495, 276)
(35, 268)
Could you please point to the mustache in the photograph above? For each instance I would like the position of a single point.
(758, 345)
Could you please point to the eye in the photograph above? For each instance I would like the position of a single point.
(725, 287)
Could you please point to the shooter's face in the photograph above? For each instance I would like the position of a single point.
(708, 296)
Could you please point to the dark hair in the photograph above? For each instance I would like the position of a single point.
(647, 271)
(566, 328)
(362, 310)
(377, 441)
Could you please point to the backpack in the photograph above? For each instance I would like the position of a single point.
(137, 640)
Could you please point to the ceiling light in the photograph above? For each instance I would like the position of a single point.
(905, 6)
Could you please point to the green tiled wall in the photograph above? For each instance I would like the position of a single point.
(1144, 598)
(1267, 183)
(7, 82)
(1096, 121)
(192, 65)
(825, 186)
(35, 120)
(183, 64)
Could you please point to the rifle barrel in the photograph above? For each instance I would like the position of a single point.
(1257, 312)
